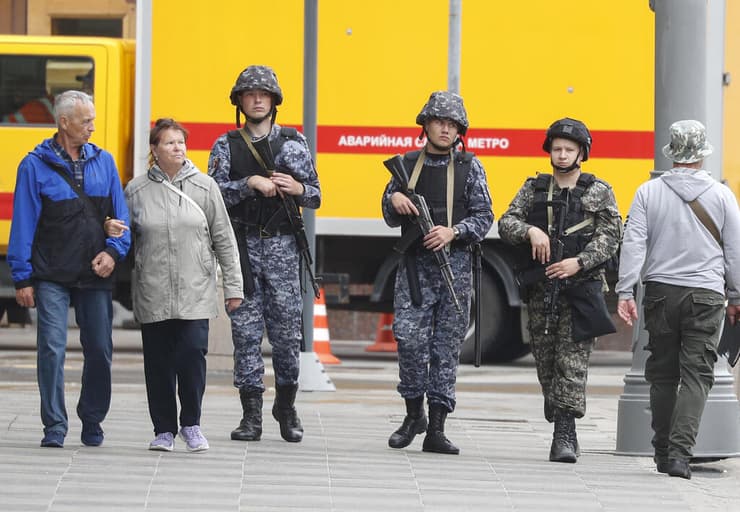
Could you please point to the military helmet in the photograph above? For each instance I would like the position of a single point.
(688, 143)
(570, 129)
(257, 77)
(444, 105)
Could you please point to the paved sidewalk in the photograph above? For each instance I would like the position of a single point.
(343, 463)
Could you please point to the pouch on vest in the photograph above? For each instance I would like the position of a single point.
(589, 314)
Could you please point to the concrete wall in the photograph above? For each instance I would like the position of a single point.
(41, 12)
(12, 16)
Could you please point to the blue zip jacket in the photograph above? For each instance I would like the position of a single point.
(53, 235)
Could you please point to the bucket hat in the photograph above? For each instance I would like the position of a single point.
(688, 142)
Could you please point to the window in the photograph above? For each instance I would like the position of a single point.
(102, 27)
(28, 84)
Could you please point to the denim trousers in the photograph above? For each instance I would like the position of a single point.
(93, 314)
(175, 365)
(684, 325)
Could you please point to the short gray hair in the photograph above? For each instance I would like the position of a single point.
(65, 103)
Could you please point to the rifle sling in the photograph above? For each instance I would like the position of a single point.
(450, 180)
(254, 152)
(281, 214)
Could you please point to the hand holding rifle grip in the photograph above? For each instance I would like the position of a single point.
(398, 170)
(264, 156)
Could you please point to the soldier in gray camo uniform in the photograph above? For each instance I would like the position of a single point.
(427, 325)
(562, 352)
(267, 247)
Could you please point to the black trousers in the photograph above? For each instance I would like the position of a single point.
(175, 365)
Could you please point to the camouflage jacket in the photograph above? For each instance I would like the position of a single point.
(474, 227)
(598, 202)
(294, 158)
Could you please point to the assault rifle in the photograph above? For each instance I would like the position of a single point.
(556, 254)
(263, 154)
(424, 220)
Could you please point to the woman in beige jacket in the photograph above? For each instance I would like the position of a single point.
(180, 229)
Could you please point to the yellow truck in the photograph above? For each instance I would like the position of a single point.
(523, 65)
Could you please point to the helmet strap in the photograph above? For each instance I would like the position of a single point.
(257, 120)
(455, 142)
(461, 141)
(571, 167)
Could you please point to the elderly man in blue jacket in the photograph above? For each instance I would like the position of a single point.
(59, 254)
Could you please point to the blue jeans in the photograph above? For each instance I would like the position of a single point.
(94, 314)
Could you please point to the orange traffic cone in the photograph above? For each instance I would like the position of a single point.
(384, 340)
(321, 343)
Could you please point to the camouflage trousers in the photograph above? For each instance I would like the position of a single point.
(684, 326)
(276, 307)
(562, 364)
(430, 335)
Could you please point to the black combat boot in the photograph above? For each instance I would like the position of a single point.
(562, 449)
(676, 467)
(284, 412)
(436, 441)
(250, 427)
(414, 423)
(574, 440)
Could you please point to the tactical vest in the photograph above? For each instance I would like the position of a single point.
(432, 184)
(257, 210)
(575, 242)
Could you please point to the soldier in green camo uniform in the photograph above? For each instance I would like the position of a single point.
(593, 230)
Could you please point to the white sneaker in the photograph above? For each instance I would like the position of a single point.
(194, 439)
(164, 442)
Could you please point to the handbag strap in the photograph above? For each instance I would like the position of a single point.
(187, 198)
(705, 219)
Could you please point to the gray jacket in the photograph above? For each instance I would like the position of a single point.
(175, 253)
(665, 241)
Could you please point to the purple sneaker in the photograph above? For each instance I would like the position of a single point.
(194, 439)
(164, 442)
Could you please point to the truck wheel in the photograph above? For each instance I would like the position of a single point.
(501, 339)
